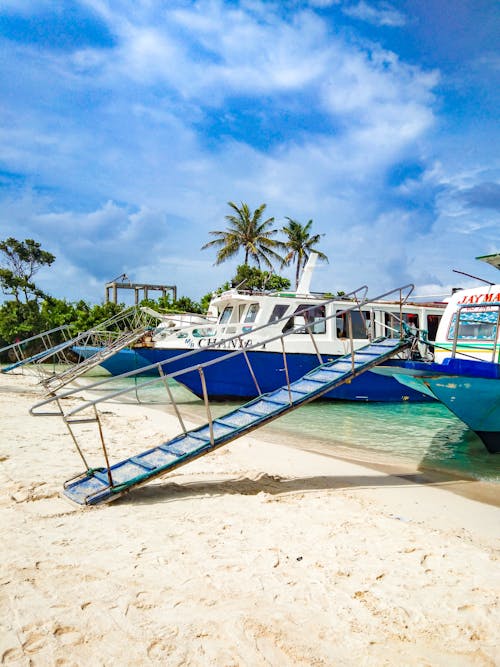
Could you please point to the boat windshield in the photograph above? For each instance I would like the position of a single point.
(252, 311)
(480, 324)
(226, 315)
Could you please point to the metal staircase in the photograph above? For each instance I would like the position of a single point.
(108, 338)
(101, 484)
(107, 484)
(44, 339)
(58, 380)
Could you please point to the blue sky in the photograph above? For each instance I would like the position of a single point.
(126, 127)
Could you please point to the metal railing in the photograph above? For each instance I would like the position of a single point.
(493, 342)
(44, 339)
(71, 417)
(108, 337)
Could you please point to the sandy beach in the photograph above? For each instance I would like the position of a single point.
(258, 554)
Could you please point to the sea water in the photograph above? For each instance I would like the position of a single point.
(423, 435)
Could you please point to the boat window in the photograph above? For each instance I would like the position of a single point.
(226, 315)
(432, 327)
(278, 312)
(475, 323)
(393, 325)
(303, 317)
(241, 310)
(252, 311)
(361, 322)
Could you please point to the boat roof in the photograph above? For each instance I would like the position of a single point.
(493, 259)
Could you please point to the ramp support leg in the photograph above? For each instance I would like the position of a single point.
(169, 392)
(207, 405)
(286, 370)
(101, 435)
(250, 366)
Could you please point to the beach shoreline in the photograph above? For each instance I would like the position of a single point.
(262, 553)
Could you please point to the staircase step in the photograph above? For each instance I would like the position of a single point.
(81, 489)
(282, 395)
(239, 418)
(122, 472)
(306, 386)
(186, 444)
(265, 407)
(219, 430)
(157, 458)
(324, 375)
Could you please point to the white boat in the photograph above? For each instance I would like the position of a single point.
(242, 314)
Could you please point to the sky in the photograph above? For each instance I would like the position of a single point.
(127, 126)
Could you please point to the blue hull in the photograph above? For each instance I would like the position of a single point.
(469, 389)
(122, 362)
(232, 379)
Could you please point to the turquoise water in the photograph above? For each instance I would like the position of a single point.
(426, 435)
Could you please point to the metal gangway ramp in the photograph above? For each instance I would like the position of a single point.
(107, 483)
(108, 338)
(44, 339)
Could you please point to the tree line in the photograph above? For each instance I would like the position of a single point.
(29, 310)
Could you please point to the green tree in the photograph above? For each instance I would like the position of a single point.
(299, 244)
(22, 260)
(20, 320)
(250, 277)
(249, 231)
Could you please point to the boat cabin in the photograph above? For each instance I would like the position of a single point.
(470, 326)
(243, 313)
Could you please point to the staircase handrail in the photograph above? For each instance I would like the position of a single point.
(35, 337)
(160, 364)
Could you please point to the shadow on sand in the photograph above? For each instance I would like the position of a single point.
(274, 485)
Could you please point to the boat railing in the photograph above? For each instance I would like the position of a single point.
(481, 342)
(35, 347)
(242, 349)
(231, 331)
(72, 417)
(43, 338)
(122, 328)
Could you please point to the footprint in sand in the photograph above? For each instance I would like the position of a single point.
(158, 650)
(67, 635)
(34, 642)
(11, 656)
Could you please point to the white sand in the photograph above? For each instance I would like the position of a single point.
(258, 554)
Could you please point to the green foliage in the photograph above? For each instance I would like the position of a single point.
(22, 260)
(247, 231)
(87, 317)
(166, 304)
(299, 244)
(205, 302)
(250, 277)
(19, 321)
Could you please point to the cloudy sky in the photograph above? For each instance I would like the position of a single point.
(127, 126)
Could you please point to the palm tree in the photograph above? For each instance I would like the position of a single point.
(300, 244)
(247, 230)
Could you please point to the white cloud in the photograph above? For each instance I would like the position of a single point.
(118, 144)
(382, 15)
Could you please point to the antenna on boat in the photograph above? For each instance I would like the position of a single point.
(469, 275)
